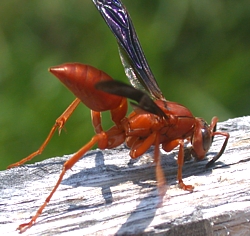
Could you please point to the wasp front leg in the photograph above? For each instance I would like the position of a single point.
(180, 161)
(169, 146)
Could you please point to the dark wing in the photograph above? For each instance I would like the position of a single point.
(132, 56)
(124, 90)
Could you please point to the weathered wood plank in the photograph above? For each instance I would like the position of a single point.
(108, 194)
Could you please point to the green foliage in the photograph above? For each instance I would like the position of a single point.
(199, 51)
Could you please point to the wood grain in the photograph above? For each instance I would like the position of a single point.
(107, 193)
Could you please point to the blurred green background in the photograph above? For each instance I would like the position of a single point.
(199, 51)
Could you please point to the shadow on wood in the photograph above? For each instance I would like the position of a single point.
(107, 193)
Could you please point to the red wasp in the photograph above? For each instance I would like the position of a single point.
(154, 121)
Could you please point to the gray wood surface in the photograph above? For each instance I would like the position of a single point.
(108, 194)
